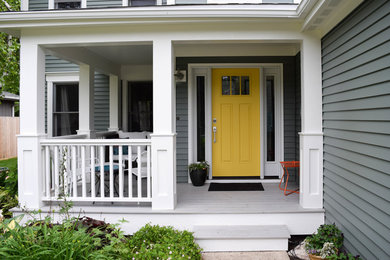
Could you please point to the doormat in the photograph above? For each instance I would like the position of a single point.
(236, 187)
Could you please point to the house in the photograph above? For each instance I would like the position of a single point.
(7, 104)
(241, 84)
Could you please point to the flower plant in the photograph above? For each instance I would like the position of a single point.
(198, 166)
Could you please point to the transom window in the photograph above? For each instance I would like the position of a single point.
(142, 2)
(235, 85)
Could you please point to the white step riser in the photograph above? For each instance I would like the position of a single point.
(218, 245)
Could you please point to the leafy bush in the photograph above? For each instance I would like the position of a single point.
(155, 242)
(198, 166)
(8, 191)
(44, 240)
(325, 233)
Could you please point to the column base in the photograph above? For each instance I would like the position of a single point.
(164, 195)
(311, 170)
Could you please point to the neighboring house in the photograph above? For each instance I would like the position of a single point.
(7, 104)
(264, 82)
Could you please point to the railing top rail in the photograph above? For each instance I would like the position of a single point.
(96, 142)
(70, 137)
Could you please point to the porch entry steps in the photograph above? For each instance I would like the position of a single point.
(214, 238)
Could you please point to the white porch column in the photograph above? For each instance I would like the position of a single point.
(114, 103)
(164, 136)
(86, 100)
(311, 138)
(32, 124)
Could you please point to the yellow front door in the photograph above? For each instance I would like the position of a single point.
(236, 122)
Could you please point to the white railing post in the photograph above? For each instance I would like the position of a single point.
(86, 94)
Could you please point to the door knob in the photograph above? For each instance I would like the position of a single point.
(215, 131)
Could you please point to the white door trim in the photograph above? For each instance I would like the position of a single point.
(51, 79)
(204, 69)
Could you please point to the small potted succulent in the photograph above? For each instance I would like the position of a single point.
(325, 243)
(198, 172)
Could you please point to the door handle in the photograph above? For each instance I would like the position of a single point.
(215, 131)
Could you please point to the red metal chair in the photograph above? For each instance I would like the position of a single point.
(285, 166)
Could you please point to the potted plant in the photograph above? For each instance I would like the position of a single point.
(325, 243)
(198, 172)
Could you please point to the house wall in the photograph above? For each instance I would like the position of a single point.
(356, 120)
(6, 108)
(101, 101)
(289, 104)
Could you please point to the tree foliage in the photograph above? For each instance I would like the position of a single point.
(9, 53)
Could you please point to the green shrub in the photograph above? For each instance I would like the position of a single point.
(325, 233)
(155, 242)
(8, 191)
(73, 239)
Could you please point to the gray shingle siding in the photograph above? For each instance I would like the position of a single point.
(182, 132)
(102, 102)
(54, 64)
(34, 5)
(103, 3)
(356, 114)
(290, 101)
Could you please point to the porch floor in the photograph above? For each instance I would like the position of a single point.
(199, 200)
(191, 199)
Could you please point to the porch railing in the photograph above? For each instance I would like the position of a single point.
(97, 170)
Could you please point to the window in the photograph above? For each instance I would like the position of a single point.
(65, 108)
(140, 106)
(142, 2)
(68, 4)
(200, 110)
(270, 100)
(235, 85)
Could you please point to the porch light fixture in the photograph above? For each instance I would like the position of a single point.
(180, 75)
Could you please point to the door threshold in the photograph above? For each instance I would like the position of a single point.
(243, 180)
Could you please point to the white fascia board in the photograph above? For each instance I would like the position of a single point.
(118, 15)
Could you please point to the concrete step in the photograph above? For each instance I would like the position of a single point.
(215, 238)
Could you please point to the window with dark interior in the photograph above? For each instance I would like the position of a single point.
(68, 4)
(65, 108)
(142, 2)
(140, 107)
(200, 111)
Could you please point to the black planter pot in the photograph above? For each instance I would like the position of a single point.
(198, 177)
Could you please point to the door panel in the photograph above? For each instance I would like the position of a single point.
(236, 116)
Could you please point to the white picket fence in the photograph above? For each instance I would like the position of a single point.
(97, 170)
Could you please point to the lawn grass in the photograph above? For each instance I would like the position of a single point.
(9, 163)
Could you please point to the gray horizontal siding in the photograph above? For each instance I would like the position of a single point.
(38, 5)
(291, 104)
(103, 3)
(356, 114)
(182, 132)
(54, 64)
(102, 102)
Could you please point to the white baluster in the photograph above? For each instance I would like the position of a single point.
(120, 151)
(139, 178)
(130, 172)
(74, 171)
(111, 150)
(93, 171)
(83, 180)
(148, 171)
(56, 175)
(102, 171)
(47, 171)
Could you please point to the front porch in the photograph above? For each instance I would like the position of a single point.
(143, 184)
